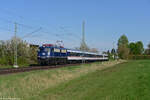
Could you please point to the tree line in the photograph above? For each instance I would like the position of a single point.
(26, 54)
(127, 50)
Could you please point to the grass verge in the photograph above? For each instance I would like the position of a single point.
(127, 81)
(36, 84)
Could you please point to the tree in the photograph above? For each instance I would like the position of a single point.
(123, 50)
(139, 47)
(113, 51)
(123, 40)
(25, 54)
(95, 50)
(148, 46)
(109, 54)
(77, 48)
(132, 47)
(147, 51)
(136, 48)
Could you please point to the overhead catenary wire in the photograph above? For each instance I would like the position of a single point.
(20, 24)
(6, 29)
(10, 12)
(69, 33)
(60, 36)
(29, 34)
(31, 27)
(66, 36)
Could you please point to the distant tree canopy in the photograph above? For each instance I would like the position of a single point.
(147, 51)
(26, 54)
(123, 40)
(148, 46)
(136, 48)
(95, 50)
(113, 51)
(132, 47)
(123, 49)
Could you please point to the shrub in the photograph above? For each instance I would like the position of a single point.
(26, 54)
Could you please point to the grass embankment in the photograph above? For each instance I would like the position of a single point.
(31, 84)
(126, 81)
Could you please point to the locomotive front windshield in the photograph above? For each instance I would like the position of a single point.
(41, 49)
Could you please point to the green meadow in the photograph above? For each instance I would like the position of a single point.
(112, 80)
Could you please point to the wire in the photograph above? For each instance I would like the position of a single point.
(6, 29)
(20, 24)
(8, 12)
(29, 34)
(69, 33)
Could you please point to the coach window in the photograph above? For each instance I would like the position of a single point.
(90, 55)
(101, 56)
(75, 54)
(87, 55)
(72, 54)
(93, 55)
(78, 54)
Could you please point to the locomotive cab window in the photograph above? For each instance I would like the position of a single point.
(41, 49)
(47, 49)
(63, 51)
(56, 50)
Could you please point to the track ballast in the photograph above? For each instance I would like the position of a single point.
(4, 71)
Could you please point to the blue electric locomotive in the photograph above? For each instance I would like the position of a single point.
(51, 54)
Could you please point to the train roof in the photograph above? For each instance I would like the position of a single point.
(78, 51)
(69, 50)
(53, 47)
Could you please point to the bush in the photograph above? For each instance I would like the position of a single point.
(26, 54)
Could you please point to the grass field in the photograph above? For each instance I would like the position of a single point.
(99, 81)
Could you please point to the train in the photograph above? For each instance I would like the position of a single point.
(49, 54)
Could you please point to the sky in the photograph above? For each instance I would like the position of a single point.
(50, 20)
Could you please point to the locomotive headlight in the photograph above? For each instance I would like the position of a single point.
(48, 53)
(43, 54)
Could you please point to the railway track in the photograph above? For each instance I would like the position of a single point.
(4, 71)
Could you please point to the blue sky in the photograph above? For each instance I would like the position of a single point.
(105, 21)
